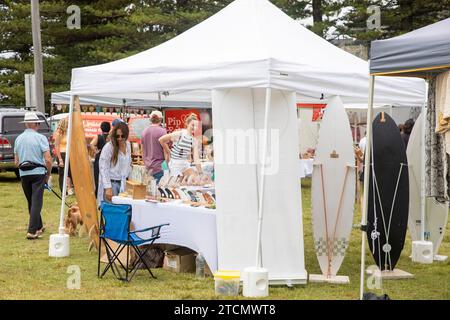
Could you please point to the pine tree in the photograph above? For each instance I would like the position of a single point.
(397, 17)
(110, 30)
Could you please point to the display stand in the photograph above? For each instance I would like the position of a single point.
(395, 274)
(320, 278)
(440, 258)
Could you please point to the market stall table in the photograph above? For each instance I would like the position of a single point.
(192, 227)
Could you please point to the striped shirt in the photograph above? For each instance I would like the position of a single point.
(182, 149)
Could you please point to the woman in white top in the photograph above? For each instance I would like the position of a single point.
(185, 147)
(114, 163)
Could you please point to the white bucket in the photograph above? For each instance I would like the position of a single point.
(59, 245)
(422, 251)
(255, 282)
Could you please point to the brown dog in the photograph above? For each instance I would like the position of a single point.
(73, 219)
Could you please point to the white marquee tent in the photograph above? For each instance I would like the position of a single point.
(251, 45)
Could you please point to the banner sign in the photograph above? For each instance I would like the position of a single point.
(91, 123)
(137, 125)
(318, 109)
(175, 119)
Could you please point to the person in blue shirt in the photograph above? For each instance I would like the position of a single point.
(32, 156)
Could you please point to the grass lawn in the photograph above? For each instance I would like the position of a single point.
(27, 272)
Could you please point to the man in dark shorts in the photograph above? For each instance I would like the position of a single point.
(32, 156)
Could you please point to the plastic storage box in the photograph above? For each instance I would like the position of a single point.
(227, 283)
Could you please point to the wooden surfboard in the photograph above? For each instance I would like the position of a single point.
(82, 175)
(333, 188)
(388, 193)
(436, 213)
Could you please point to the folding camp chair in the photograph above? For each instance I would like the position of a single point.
(115, 225)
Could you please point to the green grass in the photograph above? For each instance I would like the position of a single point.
(27, 272)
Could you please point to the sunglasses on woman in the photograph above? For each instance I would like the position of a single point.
(120, 136)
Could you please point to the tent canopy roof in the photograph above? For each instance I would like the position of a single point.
(248, 44)
(199, 101)
(418, 53)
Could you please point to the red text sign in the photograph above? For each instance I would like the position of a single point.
(175, 119)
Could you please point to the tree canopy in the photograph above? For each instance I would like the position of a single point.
(114, 29)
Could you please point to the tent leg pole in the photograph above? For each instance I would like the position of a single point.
(367, 156)
(422, 176)
(263, 174)
(66, 167)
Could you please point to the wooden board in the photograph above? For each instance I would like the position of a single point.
(333, 188)
(320, 278)
(396, 274)
(436, 213)
(82, 175)
(389, 192)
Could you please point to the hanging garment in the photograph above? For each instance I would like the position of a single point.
(435, 155)
(443, 94)
(443, 107)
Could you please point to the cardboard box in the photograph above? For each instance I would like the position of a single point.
(179, 260)
(136, 190)
(122, 256)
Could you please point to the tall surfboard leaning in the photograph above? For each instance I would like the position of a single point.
(388, 194)
(82, 175)
(436, 212)
(333, 192)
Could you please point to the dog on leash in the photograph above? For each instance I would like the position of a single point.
(73, 219)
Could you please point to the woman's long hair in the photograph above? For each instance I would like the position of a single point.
(63, 124)
(408, 126)
(125, 131)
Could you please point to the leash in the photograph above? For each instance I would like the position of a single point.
(46, 186)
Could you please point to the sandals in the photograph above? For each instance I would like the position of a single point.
(31, 236)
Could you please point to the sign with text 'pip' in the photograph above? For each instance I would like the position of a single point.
(175, 119)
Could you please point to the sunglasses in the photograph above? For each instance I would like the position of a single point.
(120, 136)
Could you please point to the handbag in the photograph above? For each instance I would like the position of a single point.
(373, 296)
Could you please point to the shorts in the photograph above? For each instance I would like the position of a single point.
(178, 166)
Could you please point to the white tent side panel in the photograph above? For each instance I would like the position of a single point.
(237, 185)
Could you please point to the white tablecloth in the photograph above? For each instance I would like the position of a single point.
(190, 227)
(306, 167)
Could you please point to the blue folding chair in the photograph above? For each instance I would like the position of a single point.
(115, 225)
